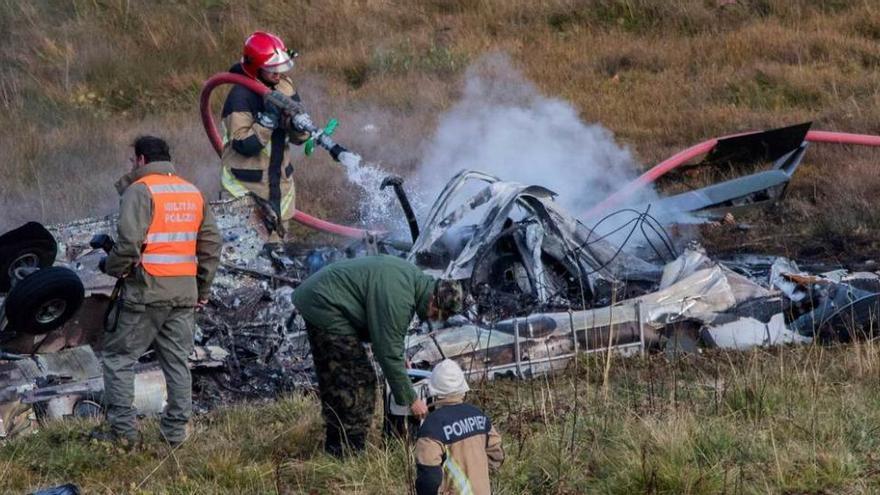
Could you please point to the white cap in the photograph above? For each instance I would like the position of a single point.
(447, 379)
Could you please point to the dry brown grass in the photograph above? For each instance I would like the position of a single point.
(787, 420)
(83, 77)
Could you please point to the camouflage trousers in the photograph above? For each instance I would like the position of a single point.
(347, 388)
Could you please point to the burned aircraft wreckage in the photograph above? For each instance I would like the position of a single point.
(542, 285)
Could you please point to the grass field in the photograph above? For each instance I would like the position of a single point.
(82, 78)
(793, 420)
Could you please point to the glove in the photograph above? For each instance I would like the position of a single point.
(102, 264)
(302, 122)
(270, 116)
(268, 120)
(102, 241)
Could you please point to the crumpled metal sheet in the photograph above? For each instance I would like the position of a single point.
(210, 356)
(778, 271)
(533, 241)
(745, 289)
(686, 264)
(694, 259)
(698, 290)
(834, 299)
(58, 382)
(746, 333)
(20, 378)
(491, 206)
(532, 345)
(463, 232)
(699, 296)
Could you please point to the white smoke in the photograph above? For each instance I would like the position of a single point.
(504, 126)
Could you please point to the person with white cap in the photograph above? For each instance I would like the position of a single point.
(457, 444)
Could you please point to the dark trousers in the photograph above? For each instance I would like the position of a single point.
(347, 388)
(170, 331)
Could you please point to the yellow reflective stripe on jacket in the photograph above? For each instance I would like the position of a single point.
(235, 187)
(287, 201)
(231, 184)
(460, 481)
(267, 150)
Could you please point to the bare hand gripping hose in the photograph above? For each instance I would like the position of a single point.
(217, 143)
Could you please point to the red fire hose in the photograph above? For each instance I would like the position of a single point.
(217, 143)
(611, 201)
(683, 157)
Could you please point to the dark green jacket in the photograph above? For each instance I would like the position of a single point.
(135, 216)
(375, 299)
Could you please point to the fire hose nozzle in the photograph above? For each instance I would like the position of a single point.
(303, 122)
(322, 138)
(284, 102)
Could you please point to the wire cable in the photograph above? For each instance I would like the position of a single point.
(642, 220)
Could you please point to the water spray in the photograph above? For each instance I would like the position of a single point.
(365, 176)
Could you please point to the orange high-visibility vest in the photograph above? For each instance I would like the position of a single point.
(170, 246)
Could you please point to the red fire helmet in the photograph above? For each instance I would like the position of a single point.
(265, 51)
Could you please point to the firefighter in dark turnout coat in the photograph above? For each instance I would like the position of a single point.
(256, 155)
(457, 445)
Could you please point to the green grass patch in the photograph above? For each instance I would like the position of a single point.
(795, 420)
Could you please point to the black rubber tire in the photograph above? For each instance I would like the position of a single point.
(30, 239)
(44, 300)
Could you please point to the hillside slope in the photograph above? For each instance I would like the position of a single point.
(82, 78)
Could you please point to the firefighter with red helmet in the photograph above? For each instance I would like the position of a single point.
(256, 134)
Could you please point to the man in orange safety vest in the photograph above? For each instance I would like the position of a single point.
(167, 251)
